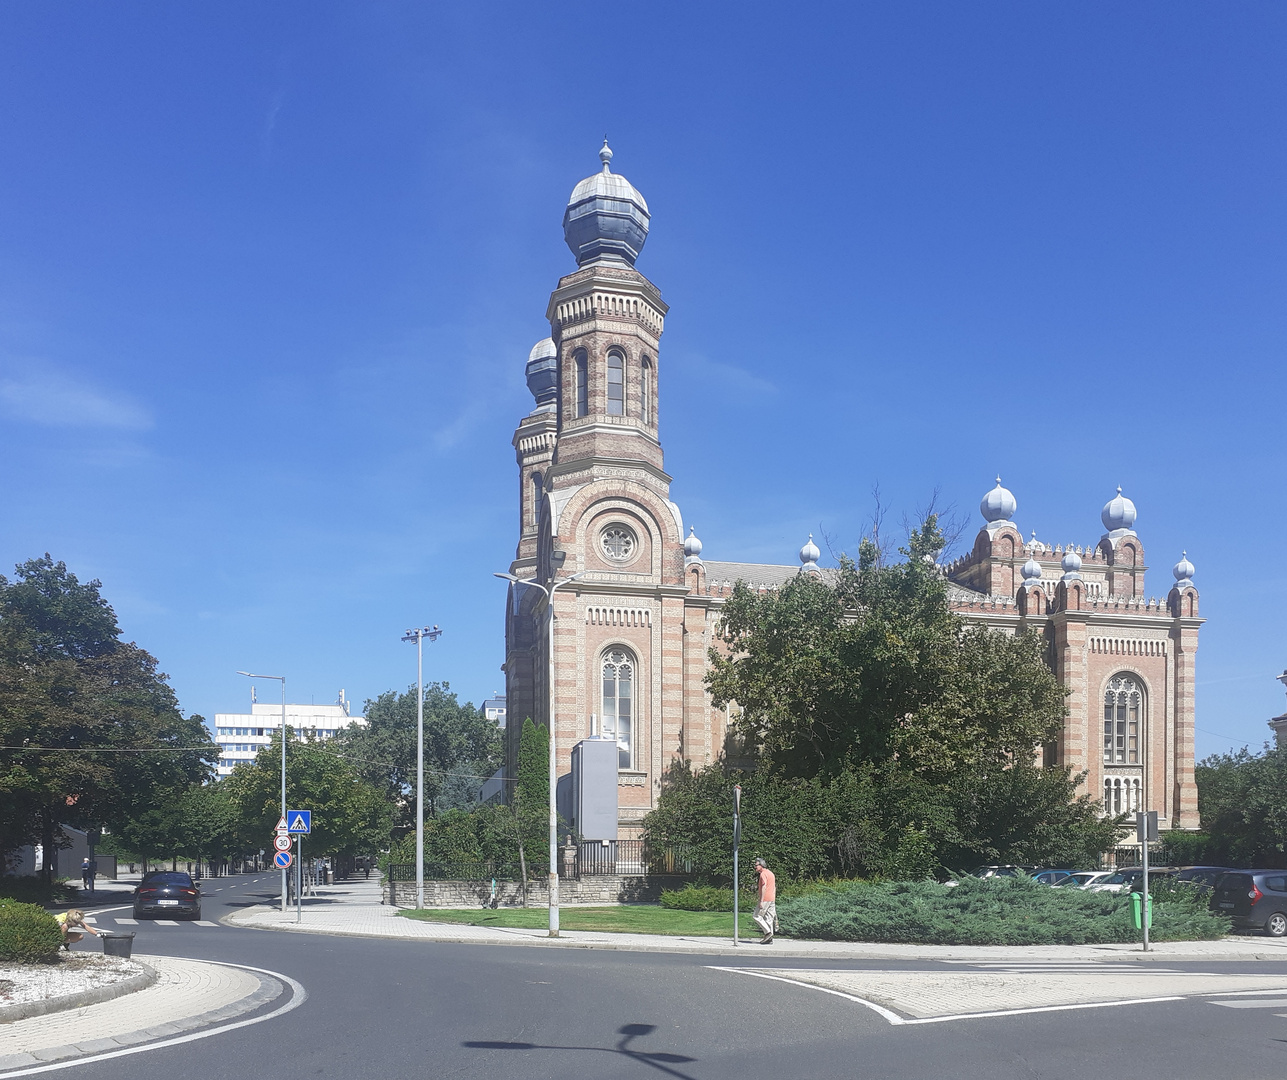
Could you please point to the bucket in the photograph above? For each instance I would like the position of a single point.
(117, 944)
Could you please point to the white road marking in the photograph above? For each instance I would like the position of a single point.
(164, 922)
(298, 996)
(126, 922)
(1263, 1003)
(203, 922)
(897, 1020)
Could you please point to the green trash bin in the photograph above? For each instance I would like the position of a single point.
(1137, 904)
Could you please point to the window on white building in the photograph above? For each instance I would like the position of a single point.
(618, 702)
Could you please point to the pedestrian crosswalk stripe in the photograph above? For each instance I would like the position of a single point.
(1253, 1003)
(202, 922)
(127, 922)
(165, 922)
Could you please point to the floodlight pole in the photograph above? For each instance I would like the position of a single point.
(281, 679)
(554, 761)
(418, 635)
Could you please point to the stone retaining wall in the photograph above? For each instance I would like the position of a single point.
(599, 889)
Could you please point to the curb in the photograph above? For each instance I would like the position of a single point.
(28, 1009)
(702, 949)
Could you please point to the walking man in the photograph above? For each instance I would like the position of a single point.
(766, 911)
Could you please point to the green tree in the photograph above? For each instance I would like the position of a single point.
(531, 803)
(350, 816)
(462, 748)
(94, 731)
(1242, 800)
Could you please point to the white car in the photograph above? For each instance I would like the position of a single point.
(1088, 879)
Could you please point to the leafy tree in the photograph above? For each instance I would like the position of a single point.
(94, 732)
(1242, 800)
(350, 816)
(531, 805)
(462, 748)
(826, 676)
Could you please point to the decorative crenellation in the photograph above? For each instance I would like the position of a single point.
(1126, 646)
(1034, 547)
(614, 616)
(540, 442)
(614, 305)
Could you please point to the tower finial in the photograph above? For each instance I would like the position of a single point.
(605, 155)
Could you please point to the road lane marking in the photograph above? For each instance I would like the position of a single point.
(298, 996)
(900, 1021)
(1263, 1003)
(126, 922)
(164, 922)
(203, 922)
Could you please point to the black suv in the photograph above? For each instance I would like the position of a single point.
(1257, 900)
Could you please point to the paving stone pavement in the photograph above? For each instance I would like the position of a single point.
(187, 994)
(354, 909)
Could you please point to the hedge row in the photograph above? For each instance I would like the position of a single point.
(28, 934)
(995, 911)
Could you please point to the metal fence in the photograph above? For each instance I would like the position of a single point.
(630, 858)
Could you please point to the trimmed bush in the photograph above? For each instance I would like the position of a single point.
(28, 934)
(995, 911)
(705, 898)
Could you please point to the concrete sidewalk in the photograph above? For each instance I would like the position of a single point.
(354, 909)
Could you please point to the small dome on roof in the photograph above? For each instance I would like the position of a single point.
(1183, 570)
(1072, 564)
(998, 504)
(1118, 513)
(809, 554)
(1031, 571)
(543, 373)
(692, 546)
(606, 219)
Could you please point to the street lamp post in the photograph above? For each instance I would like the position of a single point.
(554, 764)
(418, 635)
(281, 679)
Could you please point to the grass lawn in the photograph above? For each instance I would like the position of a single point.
(632, 919)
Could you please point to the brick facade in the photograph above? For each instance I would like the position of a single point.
(602, 510)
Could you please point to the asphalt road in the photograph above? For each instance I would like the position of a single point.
(385, 1009)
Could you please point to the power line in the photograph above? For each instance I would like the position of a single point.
(114, 749)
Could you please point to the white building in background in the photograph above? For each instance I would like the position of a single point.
(242, 735)
(494, 710)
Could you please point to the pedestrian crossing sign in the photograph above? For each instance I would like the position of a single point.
(300, 821)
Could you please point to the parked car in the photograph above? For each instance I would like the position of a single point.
(1050, 877)
(1083, 879)
(169, 892)
(1202, 876)
(1130, 878)
(1007, 870)
(1257, 900)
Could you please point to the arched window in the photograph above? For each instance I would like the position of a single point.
(618, 702)
(1123, 713)
(582, 381)
(645, 391)
(538, 492)
(616, 384)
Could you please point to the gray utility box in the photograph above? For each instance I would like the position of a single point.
(594, 789)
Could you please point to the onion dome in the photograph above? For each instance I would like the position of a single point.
(1118, 514)
(1183, 571)
(998, 504)
(606, 219)
(543, 373)
(1071, 563)
(692, 546)
(1031, 571)
(809, 554)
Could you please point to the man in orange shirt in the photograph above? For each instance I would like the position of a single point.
(766, 911)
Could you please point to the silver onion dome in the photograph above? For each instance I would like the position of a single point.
(1183, 570)
(606, 219)
(998, 504)
(1071, 564)
(1118, 514)
(809, 554)
(692, 546)
(543, 373)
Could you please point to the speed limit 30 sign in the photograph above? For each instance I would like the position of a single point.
(282, 843)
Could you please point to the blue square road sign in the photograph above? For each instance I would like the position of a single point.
(299, 821)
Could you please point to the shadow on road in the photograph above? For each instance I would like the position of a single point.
(656, 1059)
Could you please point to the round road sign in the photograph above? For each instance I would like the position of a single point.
(283, 859)
(282, 843)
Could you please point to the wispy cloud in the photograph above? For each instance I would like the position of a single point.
(39, 393)
(730, 376)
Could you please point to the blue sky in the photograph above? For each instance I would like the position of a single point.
(269, 275)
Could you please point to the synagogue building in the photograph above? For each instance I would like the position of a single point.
(602, 551)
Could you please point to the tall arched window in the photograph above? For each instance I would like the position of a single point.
(645, 391)
(1123, 716)
(538, 492)
(582, 382)
(618, 702)
(616, 384)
